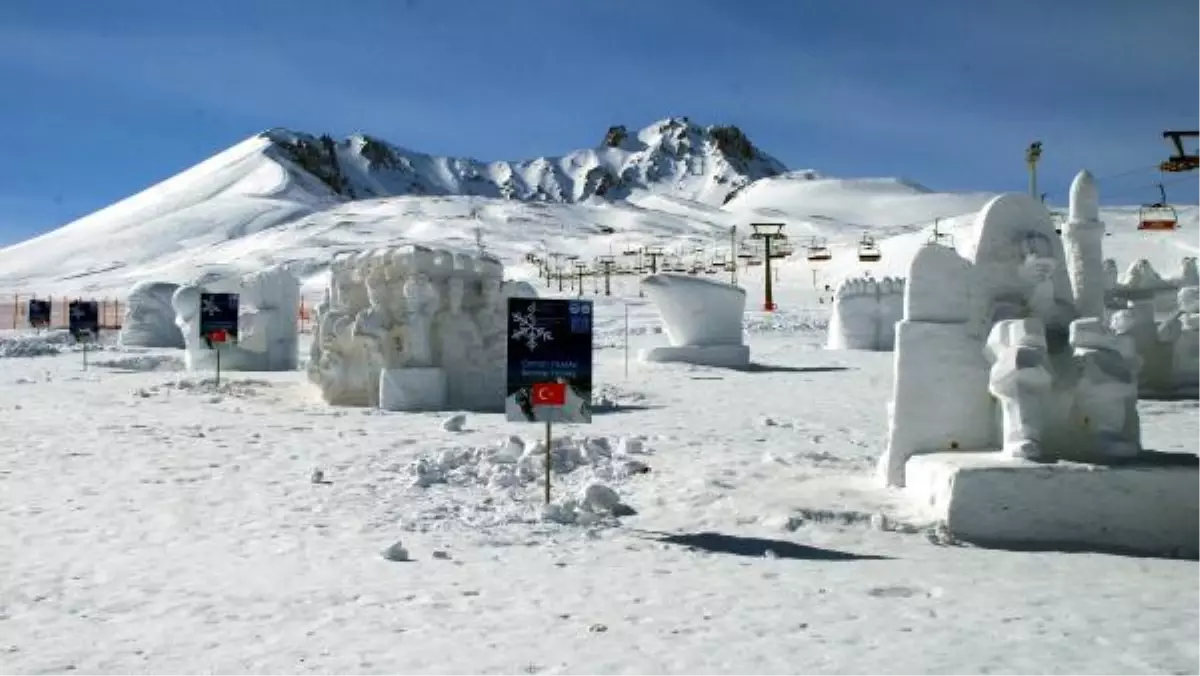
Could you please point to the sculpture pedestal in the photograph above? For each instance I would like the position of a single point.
(412, 389)
(722, 356)
(983, 498)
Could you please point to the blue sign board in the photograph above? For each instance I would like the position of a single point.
(549, 360)
(83, 319)
(39, 313)
(218, 317)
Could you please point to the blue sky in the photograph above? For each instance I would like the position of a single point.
(102, 98)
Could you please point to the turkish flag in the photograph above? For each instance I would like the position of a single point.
(549, 394)
(217, 336)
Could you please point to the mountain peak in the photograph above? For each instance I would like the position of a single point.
(672, 155)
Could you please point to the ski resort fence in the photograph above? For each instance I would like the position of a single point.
(14, 311)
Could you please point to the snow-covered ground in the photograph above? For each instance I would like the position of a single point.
(151, 521)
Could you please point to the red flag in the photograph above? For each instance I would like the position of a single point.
(549, 394)
(217, 336)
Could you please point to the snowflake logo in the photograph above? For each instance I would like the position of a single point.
(209, 307)
(528, 329)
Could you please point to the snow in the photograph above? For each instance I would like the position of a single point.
(702, 319)
(986, 498)
(268, 302)
(165, 524)
(149, 319)
(412, 328)
(865, 313)
(157, 521)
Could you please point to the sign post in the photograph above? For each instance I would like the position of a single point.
(549, 365)
(218, 323)
(39, 313)
(83, 321)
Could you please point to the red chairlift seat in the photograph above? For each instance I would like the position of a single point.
(1157, 217)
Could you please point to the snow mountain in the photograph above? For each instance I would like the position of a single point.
(282, 197)
(706, 164)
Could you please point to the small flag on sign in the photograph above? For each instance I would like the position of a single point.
(549, 394)
(217, 336)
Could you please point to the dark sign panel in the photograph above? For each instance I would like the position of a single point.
(549, 360)
(218, 318)
(83, 319)
(39, 313)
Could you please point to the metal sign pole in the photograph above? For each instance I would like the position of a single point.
(548, 461)
(627, 340)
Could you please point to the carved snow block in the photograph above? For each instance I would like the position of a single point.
(1145, 507)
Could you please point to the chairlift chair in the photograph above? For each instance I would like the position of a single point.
(868, 250)
(939, 237)
(753, 261)
(1158, 216)
(818, 252)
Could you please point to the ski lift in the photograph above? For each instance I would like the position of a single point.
(745, 253)
(629, 250)
(1158, 216)
(868, 250)
(939, 237)
(818, 251)
(780, 251)
(753, 261)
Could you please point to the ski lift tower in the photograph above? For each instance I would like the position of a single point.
(1032, 154)
(768, 233)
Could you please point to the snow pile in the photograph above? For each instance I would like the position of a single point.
(21, 345)
(500, 479)
(143, 362)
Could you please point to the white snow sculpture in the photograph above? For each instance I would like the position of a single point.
(1142, 282)
(1183, 331)
(703, 320)
(413, 329)
(865, 312)
(268, 308)
(149, 319)
(1083, 237)
(1000, 326)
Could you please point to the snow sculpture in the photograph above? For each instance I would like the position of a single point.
(1183, 329)
(703, 320)
(990, 354)
(865, 312)
(1083, 237)
(1142, 282)
(1020, 380)
(413, 329)
(268, 308)
(149, 319)
(1105, 404)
